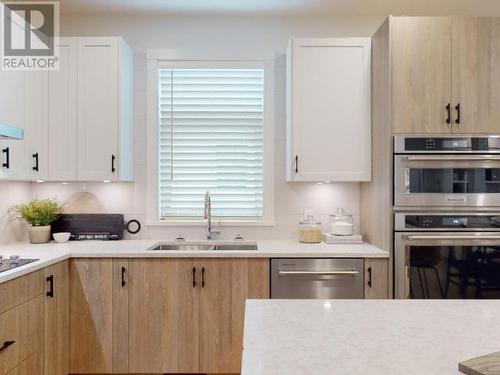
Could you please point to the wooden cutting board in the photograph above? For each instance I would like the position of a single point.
(485, 365)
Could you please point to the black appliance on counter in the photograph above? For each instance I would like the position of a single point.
(95, 226)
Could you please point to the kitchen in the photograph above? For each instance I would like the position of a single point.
(196, 171)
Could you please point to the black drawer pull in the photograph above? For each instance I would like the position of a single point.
(448, 112)
(457, 107)
(123, 277)
(35, 156)
(6, 164)
(194, 277)
(296, 163)
(113, 158)
(203, 277)
(370, 277)
(6, 344)
(50, 292)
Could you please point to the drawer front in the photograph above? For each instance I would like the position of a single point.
(21, 333)
(17, 291)
(33, 365)
(316, 278)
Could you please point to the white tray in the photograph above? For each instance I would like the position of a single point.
(331, 238)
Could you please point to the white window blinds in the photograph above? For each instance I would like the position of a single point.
(211, 139)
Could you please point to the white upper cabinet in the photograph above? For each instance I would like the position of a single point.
(104, 110)
(62, 113)
(328, 130)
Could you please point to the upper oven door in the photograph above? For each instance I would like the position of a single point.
(447, 180)
(451, 265)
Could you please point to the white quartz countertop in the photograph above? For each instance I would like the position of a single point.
(55, 252)
(369, 337)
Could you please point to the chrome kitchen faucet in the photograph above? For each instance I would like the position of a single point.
(211, 234)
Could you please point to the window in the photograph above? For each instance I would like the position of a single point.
(211, 126)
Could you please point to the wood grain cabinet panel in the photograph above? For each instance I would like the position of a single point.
(56, 343)
(23, 328)
(33, 365)
(421, 53)
(376, 278)
(476, 74)
(17, 291)
(163, 316)
(91, 316)
(225, 286)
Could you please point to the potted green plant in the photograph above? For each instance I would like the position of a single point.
(39, 214)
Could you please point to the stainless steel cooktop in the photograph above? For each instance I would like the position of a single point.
(13, 262)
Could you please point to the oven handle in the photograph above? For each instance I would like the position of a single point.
(452, 158)
(318, 273)
(458, 237)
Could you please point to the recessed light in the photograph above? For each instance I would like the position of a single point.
(106, 181)
(64, 183)
(40, 181)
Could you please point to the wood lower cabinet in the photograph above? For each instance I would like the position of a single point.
(186, 316)
(21, 333)
(33, 365)
(56, 343)
(376, 278)
(91, 316)
(163, 316)
(225, 285)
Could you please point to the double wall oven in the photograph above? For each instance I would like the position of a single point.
(447, 217)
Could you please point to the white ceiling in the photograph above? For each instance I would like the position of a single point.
(284, 7)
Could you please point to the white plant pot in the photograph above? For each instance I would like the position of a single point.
(40, 234)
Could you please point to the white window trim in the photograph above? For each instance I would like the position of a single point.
(157, 59)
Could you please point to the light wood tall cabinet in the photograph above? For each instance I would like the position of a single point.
(56, 342)
(421, 74)
(328, 109)
(376, 278)
(444, 74)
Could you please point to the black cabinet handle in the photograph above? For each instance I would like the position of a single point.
(50, 292)
(194, 277)
(123, 277)
(296, 163)
(113, 158)
(457, 108)
(370, 277)
(6, 151)
(35, 156)
(6, 344)
(448, 112)
(202, 277)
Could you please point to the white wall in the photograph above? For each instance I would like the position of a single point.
(256, 37)
(12, 193)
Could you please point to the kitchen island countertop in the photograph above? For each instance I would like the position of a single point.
(369, 337)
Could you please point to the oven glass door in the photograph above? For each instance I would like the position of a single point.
(447, 180)
(447, 265)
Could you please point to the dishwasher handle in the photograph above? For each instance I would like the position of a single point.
(319, 273)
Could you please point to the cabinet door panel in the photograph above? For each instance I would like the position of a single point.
(421, 50)
(476, 74)
(91, 316)
(163, 325)
(56, 343)
(97, 108)
(329, 110)
(228, 283)
(376, 278)
(62, 114)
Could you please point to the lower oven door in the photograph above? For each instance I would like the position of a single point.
(447, 180)
(447, 265)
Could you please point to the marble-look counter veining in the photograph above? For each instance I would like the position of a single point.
(367, 337)
(54, 252)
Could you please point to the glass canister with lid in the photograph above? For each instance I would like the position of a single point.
(341, 223)
(310, 230)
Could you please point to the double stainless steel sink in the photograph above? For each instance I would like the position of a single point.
(207, 247)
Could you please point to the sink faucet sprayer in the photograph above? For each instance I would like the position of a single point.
(211, 234)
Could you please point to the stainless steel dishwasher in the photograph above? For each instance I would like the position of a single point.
(316, 278)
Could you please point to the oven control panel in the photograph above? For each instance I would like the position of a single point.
(446, 144)
(447, 222)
